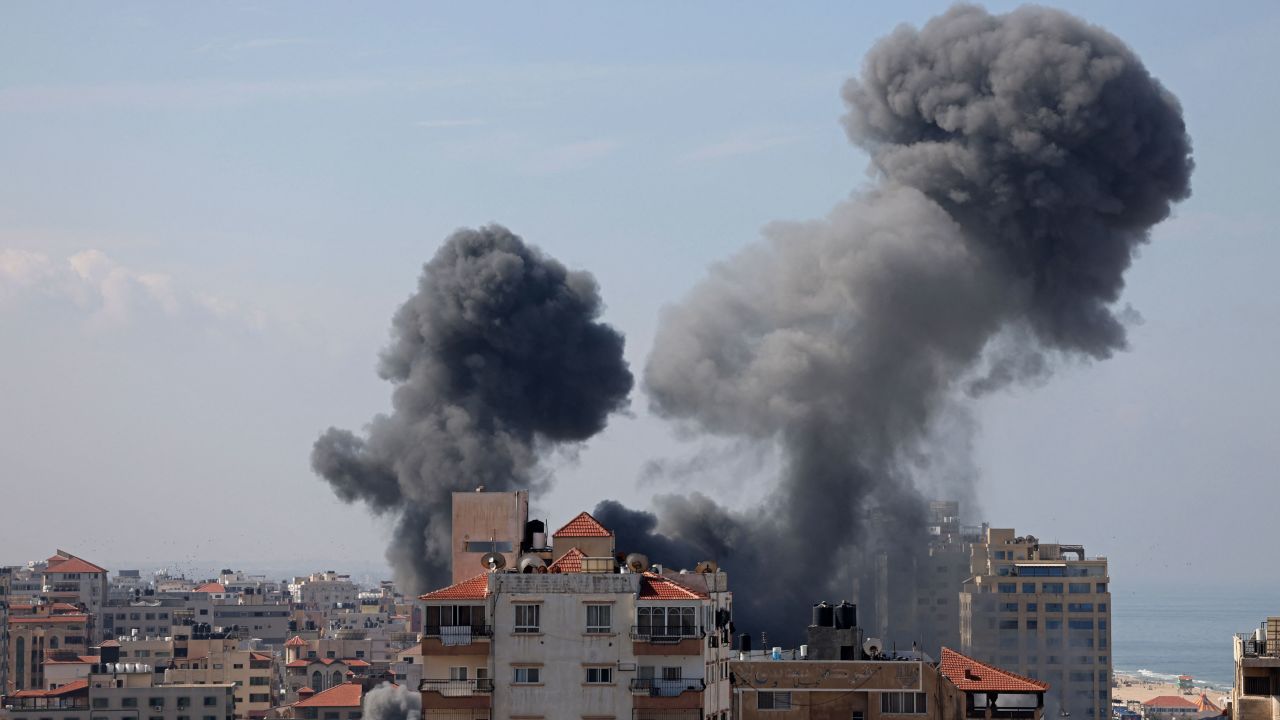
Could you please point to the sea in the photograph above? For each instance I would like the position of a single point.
(1162, 630)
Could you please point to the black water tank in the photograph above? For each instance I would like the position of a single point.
(846, 615)
(744, 642)
(823, 615)
(109, 654)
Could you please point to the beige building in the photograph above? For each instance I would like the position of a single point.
(579, 636)
(76, 581)
(1256, 695)
(123, 694)
(956, 688)
(1042, 610)
(39, 632)
(487, 522)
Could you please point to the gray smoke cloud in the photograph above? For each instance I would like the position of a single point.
(391, 702)
(497, 358)
(1020, 162)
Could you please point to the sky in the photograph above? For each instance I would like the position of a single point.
(209, 213)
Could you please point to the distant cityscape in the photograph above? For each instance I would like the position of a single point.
(539, 624)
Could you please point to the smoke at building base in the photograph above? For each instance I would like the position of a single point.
(1020, 160)
(391, 702)
(498, 357)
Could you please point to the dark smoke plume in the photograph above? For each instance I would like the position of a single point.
(498, 356)
(1021, 160)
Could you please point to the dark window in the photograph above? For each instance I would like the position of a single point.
(773, 700)
(1252, 686)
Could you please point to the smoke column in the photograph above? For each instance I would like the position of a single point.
(1020, 161)
(391, 702)
(496, 359)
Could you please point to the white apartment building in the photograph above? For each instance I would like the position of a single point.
(579, 638)
(324, 590)
(67, 578)
(123, 694)
(1042, 610)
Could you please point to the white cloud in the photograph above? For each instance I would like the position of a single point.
(742, 143)
(109, 294)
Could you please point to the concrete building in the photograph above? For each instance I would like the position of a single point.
(43, 630)
(324, 590)
(487, 522)
(70, 579)
(115, 693)
(1043, 610)
(6, 581)
(1256, 693)
(582, 636)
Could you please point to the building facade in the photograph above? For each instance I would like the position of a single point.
(1042, 610)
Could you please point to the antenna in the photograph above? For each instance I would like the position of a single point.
(637, 563)
(493, 561)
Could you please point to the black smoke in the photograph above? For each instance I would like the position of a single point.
(1020, 162)
(498, 357)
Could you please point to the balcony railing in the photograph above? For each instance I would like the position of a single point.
(663, 634)
(446, 714)
(644, 714)
(457, 688)
(1250, 647)
(444, 630)
(663, 687)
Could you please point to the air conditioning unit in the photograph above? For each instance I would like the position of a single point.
(157, 708)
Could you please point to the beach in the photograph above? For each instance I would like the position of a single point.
(1137, 687)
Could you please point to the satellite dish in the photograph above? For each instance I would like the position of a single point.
(493, 561)
(531, 563)
(706, 566)
(872, 647)
(637, 563)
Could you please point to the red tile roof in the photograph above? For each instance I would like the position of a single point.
(344, 695)
(1204, 704)
(295, 641)
(67, 689)
(656, 587)
(260, 656)
(78, 660)
(110, 643)
(570, 562)
(349, 662)
(583, 526)
(474, 589)
(69, 618)
(1169, 701)
(72, 564)
(211, 587)
(972, 675)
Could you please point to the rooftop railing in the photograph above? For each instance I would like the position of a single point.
(666, 687)
(664, 634)
(472, 630)
(457, 688)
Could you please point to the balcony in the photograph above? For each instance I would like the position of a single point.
(456, 639)
(650, 714)
(661, 687)
(658, 640)
(456, 694)
(455, 714)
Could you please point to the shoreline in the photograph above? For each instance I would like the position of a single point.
(1137, 687)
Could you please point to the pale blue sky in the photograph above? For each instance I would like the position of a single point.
(209, 212)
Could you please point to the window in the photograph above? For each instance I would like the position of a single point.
(1051, 588)
(1009, 607)
(1080, 607)
(1080, 624)
(1032, 607)
(773, 701)
(903, 703)
(1028, 588)
(1053, 607)
(156, 702)
(99, 703)
(1007, 588)
(458, 673)
(1102, 587)
(599, 618)
(1078, 587)
(599, 675)
(1102, 607)
(527, 676)
(1033, 624)
(210, 701)
(527, 618)
(1102, 624)
(1008, 624)
(129, 702)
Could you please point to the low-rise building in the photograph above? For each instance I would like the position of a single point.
(1256, 694)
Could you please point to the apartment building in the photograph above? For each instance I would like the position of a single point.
(76, 581)
(324, 590)
(6, 583)
(571, 632)
(116, 693)
(1042, 610)
(1256, 691)
(42, 630)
